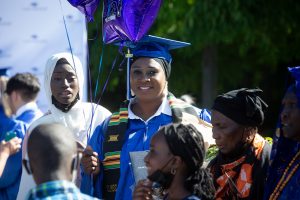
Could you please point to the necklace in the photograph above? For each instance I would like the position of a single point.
(287, 175)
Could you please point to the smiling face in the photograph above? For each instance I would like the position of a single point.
(159, 155)
(64, 83)
(227, 133)
(290, 116)
(147, 79)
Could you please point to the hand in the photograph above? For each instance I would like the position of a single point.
(90, 161)
(10, 147)
(143, 190)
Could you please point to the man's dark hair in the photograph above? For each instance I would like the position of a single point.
(26, 83)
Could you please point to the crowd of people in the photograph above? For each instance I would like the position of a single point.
(80, 150)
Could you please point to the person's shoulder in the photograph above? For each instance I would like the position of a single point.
(98, 134)
(96, 109)
(45, 119)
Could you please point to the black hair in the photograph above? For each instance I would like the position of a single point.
(192, 150)
(62, 61)
(26, 83)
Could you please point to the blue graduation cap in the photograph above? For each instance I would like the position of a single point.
(5, 71)
(152, 47)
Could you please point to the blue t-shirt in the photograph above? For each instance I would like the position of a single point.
(10, 179)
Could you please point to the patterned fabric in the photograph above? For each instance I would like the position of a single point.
(283, 151)
(116, 126)
(291, 190)
(114, 140)
(234, 180)
(63, 190)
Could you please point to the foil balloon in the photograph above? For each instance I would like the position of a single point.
(128, 19)
(87, 7)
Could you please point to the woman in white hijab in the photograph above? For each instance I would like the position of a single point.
(63, 82)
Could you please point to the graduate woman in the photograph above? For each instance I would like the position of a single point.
(130, 129)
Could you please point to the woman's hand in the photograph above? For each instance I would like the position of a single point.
(90, 161)
(143, 190)
(10, 147)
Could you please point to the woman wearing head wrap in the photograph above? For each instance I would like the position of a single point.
(63, 82)
(240, 166)
(284, 172)
(178, 171)
(132, 127)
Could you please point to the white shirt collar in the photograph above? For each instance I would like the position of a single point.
(25, 107)
(163, 108)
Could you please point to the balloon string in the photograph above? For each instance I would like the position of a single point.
(107, 79)
(102, 92)
(100, 62)
(90, 92)
(67, 33)
(97, 82)
(99, 70)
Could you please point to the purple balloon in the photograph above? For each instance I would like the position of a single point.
(87, 7)
(128, 19)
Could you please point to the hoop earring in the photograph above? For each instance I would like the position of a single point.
(173, 171)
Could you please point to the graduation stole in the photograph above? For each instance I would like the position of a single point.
(115, 136)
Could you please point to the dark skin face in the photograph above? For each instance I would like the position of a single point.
(227, 133)
(290, 116)
(64, 84)
(159, 154)
(160, 158)
(147, 79)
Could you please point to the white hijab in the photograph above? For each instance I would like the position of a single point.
(72, 118)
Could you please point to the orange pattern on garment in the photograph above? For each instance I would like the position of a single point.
(241, 184)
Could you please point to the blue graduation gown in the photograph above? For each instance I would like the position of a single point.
(284, 150)
(138, 136)
(30, 115)
(10, 179)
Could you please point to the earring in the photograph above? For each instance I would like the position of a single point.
(173, 171)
